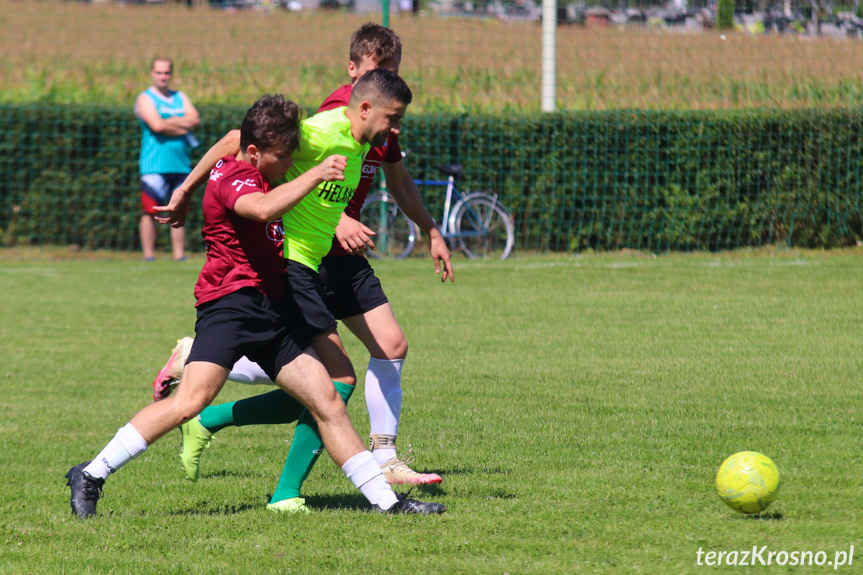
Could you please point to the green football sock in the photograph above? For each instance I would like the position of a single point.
(305, 450)
(267, 408)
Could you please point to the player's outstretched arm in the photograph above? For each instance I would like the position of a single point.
(353, 236)
(178, 206)
(282, 199)
(404, 190)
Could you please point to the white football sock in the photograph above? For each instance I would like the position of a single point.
(248, 372)
(384, 401)
(126, 446)
(365, 473)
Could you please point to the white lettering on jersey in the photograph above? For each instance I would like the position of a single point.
(215, 174)
(240, 183)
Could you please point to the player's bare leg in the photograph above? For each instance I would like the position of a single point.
(380, 332)
(306, 379)
(201, 383)
(382, 335)
(307, 442)
(335, 358)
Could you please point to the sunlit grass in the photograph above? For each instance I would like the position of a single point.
(577, 408)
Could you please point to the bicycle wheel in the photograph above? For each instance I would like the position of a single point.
(395, 235)
(484, 227)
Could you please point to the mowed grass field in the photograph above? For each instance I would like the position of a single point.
(577, 409)
(84, 54)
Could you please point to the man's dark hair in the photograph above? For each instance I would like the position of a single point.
(272, 124)
(376, 42)
(383, 84)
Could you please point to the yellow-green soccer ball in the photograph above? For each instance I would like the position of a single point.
(748, 482)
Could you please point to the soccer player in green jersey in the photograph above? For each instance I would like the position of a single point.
(378, 103)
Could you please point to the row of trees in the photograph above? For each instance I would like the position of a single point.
(818, 10)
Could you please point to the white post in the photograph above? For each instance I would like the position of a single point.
(549, 55)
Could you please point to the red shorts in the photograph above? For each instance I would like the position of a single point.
(156, 189)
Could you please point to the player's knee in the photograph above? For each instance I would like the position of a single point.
(195, 405)
(341, 370)
(188, 405)
(395, 348)
(187, 411)
(328, 408)
(347, 379)
(401, 348)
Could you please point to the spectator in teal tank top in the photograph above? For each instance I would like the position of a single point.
(167, 118)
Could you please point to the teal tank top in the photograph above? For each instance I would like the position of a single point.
(164, 154)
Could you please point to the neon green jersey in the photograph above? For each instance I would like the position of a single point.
(310, 226)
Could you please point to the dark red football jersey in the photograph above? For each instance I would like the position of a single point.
(240, 252)
(390, 152)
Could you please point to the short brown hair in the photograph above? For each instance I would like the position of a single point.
(272, 124)
(381, 84)
(162, 59)
(376, 42)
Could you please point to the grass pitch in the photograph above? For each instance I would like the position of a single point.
(577, 408)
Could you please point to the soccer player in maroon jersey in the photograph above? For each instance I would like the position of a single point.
(241, 313)
(354, 295)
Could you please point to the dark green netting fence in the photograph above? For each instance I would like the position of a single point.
(748, 136)
(654, 181)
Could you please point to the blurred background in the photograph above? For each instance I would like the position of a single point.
(673, 126)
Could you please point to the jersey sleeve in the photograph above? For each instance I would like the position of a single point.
(238, 180)
(337, 99)
(394, 150)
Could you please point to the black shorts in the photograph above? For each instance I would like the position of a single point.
(305, 301)
(350, 285)
(246, 322)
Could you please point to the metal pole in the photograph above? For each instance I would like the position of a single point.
(549, 55)
(386, 15)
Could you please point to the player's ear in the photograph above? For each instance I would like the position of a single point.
(352, 71)
(253, 153)
(365, 109)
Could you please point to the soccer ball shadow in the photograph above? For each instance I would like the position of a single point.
(772, 516)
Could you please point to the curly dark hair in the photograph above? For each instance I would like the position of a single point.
(272, 124)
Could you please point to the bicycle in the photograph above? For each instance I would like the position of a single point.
(477, 223)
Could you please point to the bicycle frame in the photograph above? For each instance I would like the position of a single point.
(467, 216)
(448, 203)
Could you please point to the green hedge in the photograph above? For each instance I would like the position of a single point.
(654, 181)
(725, 15)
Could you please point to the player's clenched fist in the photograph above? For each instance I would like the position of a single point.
(333, 168)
